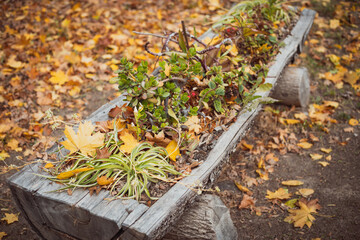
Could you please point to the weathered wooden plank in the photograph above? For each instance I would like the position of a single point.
(58, 208)
(134, 215)
(23, 186)
(154, 222)
(106, 217)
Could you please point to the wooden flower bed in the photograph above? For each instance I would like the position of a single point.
(57, 215)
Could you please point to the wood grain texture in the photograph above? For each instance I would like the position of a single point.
(293, 87)
(208, 218)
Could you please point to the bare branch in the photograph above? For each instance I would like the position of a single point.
(152, 53)
(203, 63)
(154, 35)
(217, 46)
(169, 38)
(185, 34)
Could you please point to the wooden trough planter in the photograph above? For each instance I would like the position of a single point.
(57, 215)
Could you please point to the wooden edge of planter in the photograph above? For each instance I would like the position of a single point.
(154, 222)
(77, 215)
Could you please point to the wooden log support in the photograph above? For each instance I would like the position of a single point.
(293, 87)
(207, 218)
(58, 215)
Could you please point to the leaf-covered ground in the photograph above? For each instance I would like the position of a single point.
(60, 56)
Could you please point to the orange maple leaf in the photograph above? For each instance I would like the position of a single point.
(83, 141)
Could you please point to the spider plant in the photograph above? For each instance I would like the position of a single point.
(128, 175)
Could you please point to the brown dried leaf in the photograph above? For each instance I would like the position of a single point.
(102, 153)
(247, 202)
(115, 111)
(159, 138)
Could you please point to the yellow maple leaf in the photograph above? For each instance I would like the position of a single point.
(305, 145)
(13, 145)
(13, 63)
(103, 180)
(352, 77)
(301, 116)
(2, 234)
(3, 155)
(326, 150)
(353, 122)
(10, 218)
(292, 183)
(173, 150)
(193, 124)
(334, 23)
(129, 142)
(83, 141)
(303, 216)
(281, 193)
(58, 77)
(331, 104)
(315, 156)
(324, 164)
(74, 91)
(69, 174)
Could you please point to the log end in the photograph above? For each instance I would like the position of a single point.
(293, 87)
